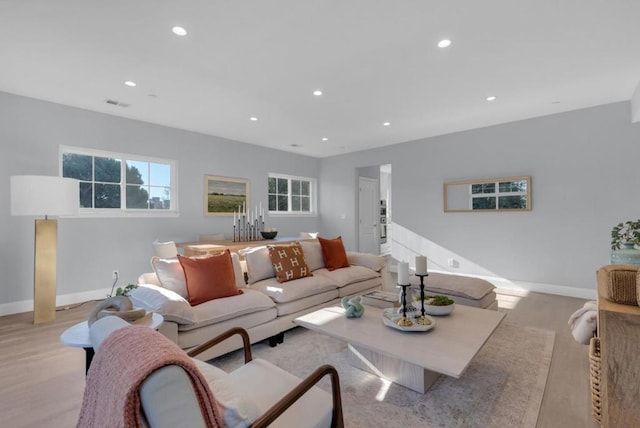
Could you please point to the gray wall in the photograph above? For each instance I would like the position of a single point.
(584, 168)
(90, 248)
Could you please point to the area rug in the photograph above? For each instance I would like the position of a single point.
(502, 387)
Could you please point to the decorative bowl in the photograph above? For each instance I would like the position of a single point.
(439, 310)
(268, 235)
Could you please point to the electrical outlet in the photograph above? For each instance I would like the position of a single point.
(115, 274)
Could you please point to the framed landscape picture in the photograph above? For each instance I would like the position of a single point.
(224, 195)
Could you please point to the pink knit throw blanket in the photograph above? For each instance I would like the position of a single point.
(123, 361)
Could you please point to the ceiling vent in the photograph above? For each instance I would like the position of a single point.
(117, 103)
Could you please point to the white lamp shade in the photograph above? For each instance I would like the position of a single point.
(39, 195)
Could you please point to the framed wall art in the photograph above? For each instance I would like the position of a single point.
(224, 196)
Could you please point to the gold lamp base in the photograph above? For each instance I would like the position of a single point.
(45, 262)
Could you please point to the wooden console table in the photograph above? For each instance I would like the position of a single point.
(200, 248)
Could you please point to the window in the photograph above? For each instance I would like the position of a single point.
(291, 195)
(120, 184)
(496, 194)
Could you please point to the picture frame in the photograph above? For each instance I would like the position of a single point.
(224, 196)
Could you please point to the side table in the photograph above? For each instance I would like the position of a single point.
(78, 336)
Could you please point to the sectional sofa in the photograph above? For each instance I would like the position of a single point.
(265, 308)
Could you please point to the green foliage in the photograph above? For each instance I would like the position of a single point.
(224, 203)
(126, 290)
(628, 231)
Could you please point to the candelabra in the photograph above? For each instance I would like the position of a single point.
(248, 227)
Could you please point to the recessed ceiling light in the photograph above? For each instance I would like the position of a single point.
(179, 31)
(130, 83)
(152, 95)
(491, 98)
(253, 118)
(325, 139)
(295, 145)
(555, 102)
(386, 124)
(317, 92)
(444, 43)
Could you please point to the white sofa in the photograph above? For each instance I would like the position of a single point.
(266, 308)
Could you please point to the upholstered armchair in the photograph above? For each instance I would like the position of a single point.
(256, 394)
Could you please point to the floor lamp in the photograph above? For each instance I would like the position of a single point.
(36, 195)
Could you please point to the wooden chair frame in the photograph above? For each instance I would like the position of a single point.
(292, 396)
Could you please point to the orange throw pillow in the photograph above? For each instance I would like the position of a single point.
(209, 277)
(333, 253)
(288, 262)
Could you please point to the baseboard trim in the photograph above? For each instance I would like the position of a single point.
(61, 301)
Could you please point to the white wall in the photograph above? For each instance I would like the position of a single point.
(585, 179)
(88, 248)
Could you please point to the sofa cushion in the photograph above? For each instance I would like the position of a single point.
(312, 254)
(209, 278)
(170, 275)
(455, 285)
(167, 303)
(371, 261)
(237, 410)
(314, 407)
(288, 262)
(348, 275)
(333, 253)
(259, 264)
(293, 290)
(224, 308)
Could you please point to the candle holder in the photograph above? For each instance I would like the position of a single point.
(404, 298)
(422, 290)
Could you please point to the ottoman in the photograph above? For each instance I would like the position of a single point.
(464, 290)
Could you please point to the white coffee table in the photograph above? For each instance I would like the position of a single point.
(77, 336)
(412, 359)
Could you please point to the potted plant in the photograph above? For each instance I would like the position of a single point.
(625, 234)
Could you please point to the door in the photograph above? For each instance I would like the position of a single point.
(369, 214)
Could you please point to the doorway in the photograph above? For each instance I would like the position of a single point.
(368, 236)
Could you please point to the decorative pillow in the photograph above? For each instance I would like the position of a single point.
(170, 275)
(333, 253)
(259, 265)
(312, 254)
(209, 278)
(165, 302)
(288, 262)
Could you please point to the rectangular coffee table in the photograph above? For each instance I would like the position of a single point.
(412, 359)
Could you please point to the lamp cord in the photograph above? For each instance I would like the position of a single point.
(114, 284)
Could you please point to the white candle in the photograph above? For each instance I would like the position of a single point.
(261, 213)
(244, 209)
(421, 265)
(234, 218)
(403, 273)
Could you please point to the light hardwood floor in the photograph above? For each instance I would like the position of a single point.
(43, 381)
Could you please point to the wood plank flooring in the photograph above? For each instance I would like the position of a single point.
(42, 381)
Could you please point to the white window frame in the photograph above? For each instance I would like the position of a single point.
(496, 194)
(312, 200)
(123, 211)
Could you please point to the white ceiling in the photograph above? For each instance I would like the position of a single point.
(375, 61)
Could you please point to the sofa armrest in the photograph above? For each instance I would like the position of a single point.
(371, 261)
